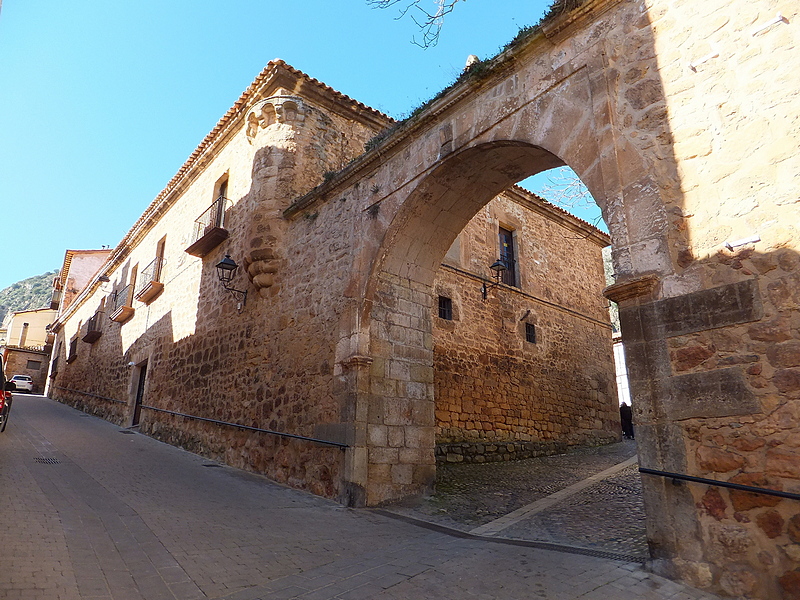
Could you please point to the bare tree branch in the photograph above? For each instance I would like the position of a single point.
(565, 189)
(429, 20)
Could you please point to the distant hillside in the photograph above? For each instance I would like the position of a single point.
(33, 292)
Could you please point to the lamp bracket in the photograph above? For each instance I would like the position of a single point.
(239, 295)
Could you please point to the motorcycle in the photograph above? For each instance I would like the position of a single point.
(5, 404)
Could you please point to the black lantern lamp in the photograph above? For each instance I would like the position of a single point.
(226, 271)
(497, 268)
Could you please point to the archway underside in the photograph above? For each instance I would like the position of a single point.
(402, 422)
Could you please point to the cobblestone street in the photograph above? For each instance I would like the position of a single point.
(90, 513)
(606, 514)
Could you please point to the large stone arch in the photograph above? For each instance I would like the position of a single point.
(703, 224)
(400, 294)
(463, 159)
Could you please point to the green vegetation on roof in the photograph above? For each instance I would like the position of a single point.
(481, 68)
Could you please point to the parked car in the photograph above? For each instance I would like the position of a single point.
(22, 383)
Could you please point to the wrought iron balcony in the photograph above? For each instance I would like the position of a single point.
(121, 309)
(149, 285)
(93, 331)
(209, 231)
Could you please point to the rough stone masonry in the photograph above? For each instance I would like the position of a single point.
(682, 119)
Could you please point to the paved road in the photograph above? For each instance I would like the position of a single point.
(92, 513)
(588, 497)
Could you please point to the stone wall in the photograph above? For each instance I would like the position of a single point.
(266, 365)
(491, 384)
(711, 347)
(483, 452)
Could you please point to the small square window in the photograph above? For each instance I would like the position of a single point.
(530, 333)
(445, 308)
(34, 365)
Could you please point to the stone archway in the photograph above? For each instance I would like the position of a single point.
(708, 308)
(567, 124)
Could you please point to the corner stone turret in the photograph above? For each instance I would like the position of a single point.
(298, 132)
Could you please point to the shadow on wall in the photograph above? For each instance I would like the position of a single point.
(231, 369)
(712, 344)
(716, 394)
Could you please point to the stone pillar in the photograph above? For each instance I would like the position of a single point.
(273, 126)
(400, 421)
(669, 404)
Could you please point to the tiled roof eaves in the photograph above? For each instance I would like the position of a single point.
(62, 276)
(161, 202)
(271, 71)
(32, 310)
(601, 237)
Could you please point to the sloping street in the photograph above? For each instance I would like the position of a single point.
(92, 511)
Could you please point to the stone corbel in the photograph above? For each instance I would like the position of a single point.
(261, 267)
(632, 288)
(282, 108)
(357, 361)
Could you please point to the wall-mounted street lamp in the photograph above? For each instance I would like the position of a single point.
(226, 271)
(497, 268)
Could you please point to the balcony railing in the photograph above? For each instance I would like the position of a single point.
(121, 297)
(93, 331)
(149, 285)
(121, 305)
(209, 230)
(73, 351)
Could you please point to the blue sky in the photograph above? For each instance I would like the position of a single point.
(102, 101)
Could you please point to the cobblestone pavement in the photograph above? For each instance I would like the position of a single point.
(605, 515)
(91, 511)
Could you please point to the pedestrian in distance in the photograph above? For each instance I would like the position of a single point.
(626, 420)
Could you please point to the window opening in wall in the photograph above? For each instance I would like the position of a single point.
(73, 350)
(132, 284)
(138, 399)
(209, 228)
(508, 256)
(149, 285)
(530, 333)
(54, 363)
(445, 308)
(94, 327)
(162, 243)
(34, 365)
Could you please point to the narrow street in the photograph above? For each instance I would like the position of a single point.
(92, 511)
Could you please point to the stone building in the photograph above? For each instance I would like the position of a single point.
(27, 349)
(76, 272)
(521, 361)
(155, 335)
(681, 118)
